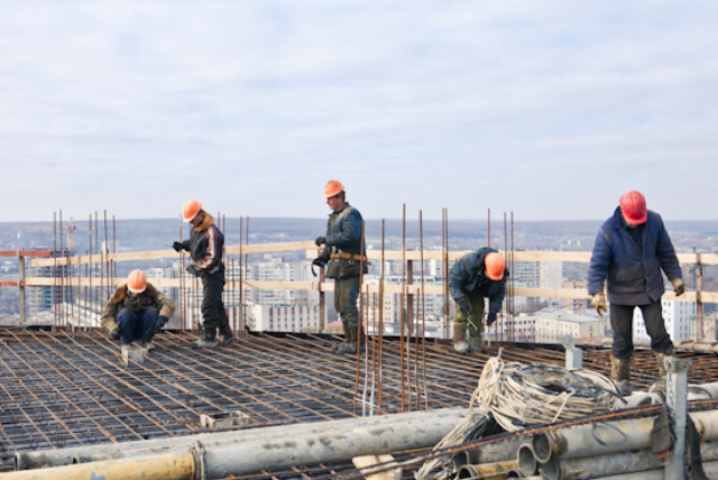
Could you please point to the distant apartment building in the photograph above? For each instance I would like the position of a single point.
(576, 304)
(42, 299)
(553, 323)
(283, 318)
(677, 317)
(522, 328)
(551, 276)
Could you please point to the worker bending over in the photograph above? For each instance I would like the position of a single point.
(136, 311)
(342, 252)
(477, 275)
(632, 247)
(205, 245)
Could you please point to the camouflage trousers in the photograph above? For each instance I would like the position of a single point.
(475, 320)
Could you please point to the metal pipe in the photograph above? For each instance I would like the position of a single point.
(526, 460)
(160, 467)
(709, 468)
(441, 419)
(495, 471)
(613, 464)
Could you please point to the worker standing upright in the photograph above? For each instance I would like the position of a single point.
(344, 256)
(632, 247)
(205, 246)
(477, 275)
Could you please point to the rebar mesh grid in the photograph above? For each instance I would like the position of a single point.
(68, 389)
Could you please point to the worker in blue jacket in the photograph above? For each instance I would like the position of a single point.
(632, 250)
(476, 276)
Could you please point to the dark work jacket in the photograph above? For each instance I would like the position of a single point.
(469, 275)
(633, 271)
(205, 246)
(343, 235)
(151, 297)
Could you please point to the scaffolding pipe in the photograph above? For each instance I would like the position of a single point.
(611, 437)
(617, 463)
(441, 419)
(159, 467)
(709, 468)
(495, 471)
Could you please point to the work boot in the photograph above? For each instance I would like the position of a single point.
(148, 345)
(204, 343)
(460, 343)
(354, 334)
(225, 340)
(347, 339)
(621, 374)
(474, 343)
(659, 386)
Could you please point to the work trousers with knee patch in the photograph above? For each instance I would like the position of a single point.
(622, 325)
(475, 320)
(213, 313)
(346, 293)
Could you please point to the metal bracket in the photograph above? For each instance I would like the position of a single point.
(574, 355)
(200, 468)
(677, 401)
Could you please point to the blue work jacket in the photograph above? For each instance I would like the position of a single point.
(633, 271)
(469, 274)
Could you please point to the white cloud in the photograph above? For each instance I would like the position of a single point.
(551, 109)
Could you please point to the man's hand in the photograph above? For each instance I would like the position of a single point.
(464, 307)
(320, 241)
(598, 301)
(678, 286)
(192, 270)
(178, 246)
(115, 335)
(490, 318)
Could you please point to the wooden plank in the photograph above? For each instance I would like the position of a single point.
(367, 461)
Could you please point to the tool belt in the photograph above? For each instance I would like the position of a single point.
(350, 256)
(345, 265)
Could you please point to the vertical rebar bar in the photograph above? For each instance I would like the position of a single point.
(512, 282)
(62, 277)
(54, 273)
(107, 261)
(403, 310)
(360, 319)
(423, 310)
(380, 388)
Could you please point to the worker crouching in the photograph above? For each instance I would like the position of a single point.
(476, 276)
(631, 249)
(344, 258)
(205, 246)
(136, 311)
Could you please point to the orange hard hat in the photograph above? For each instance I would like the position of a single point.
(136, 281)
(191, 209)
(332, 188)
(495, 266)
(633, 207)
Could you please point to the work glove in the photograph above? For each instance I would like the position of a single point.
(192, 270)
(678, 286)
(598, 301)
(320, 241)
(178, 246)
(115, 335)
(490, 318)
(161, 322)
(464, 307)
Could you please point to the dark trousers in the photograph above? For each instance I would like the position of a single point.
(346, 293)
(213, 313)
(140, 325)
(622, 324)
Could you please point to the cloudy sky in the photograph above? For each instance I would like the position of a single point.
(551, 109)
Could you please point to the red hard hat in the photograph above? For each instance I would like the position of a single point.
(191, 209)
(136, 282)
(332, 188)
(633, 207)
(495, 266)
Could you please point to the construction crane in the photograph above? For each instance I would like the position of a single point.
(70, 232)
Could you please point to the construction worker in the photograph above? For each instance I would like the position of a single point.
(632, 247)
(136, 311)
(205, 246)
(342, 252)
(477, 275)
